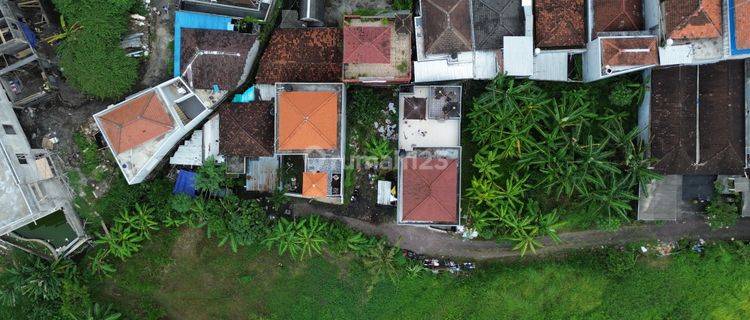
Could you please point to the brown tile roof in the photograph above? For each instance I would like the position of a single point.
(742, 23)
(559, 23)
(308, 120)
(315, 184)
(367, 44)
(447, 26)
(430, 191)
(618, 15)
(641, 51)
(692, 19)
(246, 129)
(226, 70)
(302, 55)
(721, 128)
(135, 122)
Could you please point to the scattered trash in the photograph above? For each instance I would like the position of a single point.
(437, 265)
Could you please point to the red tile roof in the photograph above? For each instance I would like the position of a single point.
(302, 55)
(692, 19)
(367, 44)
(447, 26)
(430, 191)
(135, 122)
(640, 51)
(618, 15)
(308, 120)
(559, 23)
(742, 23)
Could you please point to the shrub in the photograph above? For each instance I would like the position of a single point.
(212, 176)
(622, 95)
(722, 213)
(27, 276)
(91, 58)
(236, 222)
(299, 238)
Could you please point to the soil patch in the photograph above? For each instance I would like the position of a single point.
(186, 245)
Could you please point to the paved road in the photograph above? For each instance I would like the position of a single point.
(433, 243)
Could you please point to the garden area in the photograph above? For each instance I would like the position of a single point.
(551, 157)
(372, 140)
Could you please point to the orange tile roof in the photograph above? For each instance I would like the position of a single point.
(693, 19)
(742, 23)
(315, 184)
(136, 122)
(308, 120)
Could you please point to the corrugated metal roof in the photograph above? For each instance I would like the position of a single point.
(551, 66)
(518, 56)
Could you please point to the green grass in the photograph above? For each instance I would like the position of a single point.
(209, 282)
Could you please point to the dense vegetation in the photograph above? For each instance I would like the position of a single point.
(90, 56)
(206, 282)
(546, 154)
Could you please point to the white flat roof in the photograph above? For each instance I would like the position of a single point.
(426, 133)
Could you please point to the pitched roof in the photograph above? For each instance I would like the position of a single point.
(692, 19)
(494, 19)
(207, 69)
(742, 23)
(367, 44)
(246, 129)
(447, 26)
(415, 108)
(135, 122)
(641, 51)
(315, 184)
(559, 23)
(618, 15)
(308, 120)
(302, 55)
(719, 134)
(430, 191)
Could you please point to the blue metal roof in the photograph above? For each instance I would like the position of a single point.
(185, 183)
(732, 35)
(195, 20)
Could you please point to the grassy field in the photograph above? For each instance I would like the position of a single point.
(185, 276)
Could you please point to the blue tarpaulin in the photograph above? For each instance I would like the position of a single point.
(195, 20)
(30, 36)
(185, 183)
(245, 97)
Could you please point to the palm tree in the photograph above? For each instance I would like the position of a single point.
(309, 236)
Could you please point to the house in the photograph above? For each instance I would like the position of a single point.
(246, 132)
(22, 74)
(444, 41)
(216, 62)
(148, 125)
(377, 49)
(33, 190)
(256, 9)
(695, 119)
(300, 55)
(310, 129)
(429, 164)
(559, 38)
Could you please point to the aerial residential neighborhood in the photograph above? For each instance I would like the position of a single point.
(374, 159)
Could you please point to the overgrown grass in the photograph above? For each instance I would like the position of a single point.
(212, 283)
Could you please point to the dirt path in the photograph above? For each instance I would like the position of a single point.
(433, 243)
(159, 55)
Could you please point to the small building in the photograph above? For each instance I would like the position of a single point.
(377, 49)
(695, 119)
(429, 164)
(444, 41)
(256, 9)
(310, 137)
(618, 42)
(559, 38)
(148, 125)
(33, 191)
(300, 55)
